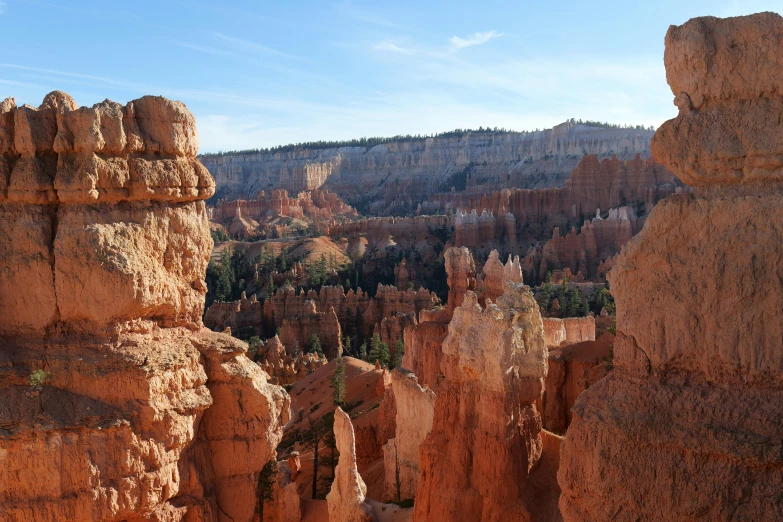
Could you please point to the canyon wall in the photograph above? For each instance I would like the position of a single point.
(116, 403)
(593, 184)
(584, 253)
(687, 426)
(403, 173)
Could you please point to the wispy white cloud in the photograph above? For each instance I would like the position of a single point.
(390, 46)
(473, 39)
(254, 48)
(347, 9)
(204, 49)
(3, 6)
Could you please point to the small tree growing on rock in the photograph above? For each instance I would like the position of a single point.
(379, 351)
(315, 345)
(338, 382)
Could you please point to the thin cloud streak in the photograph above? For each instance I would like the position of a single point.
(256, 48)
(473, 39)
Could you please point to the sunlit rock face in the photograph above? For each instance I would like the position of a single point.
(687, 426)
(117, 404)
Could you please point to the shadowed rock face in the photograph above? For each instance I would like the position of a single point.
(105, 240)
(687, 426)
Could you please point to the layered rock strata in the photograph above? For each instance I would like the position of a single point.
(117, 404)
(400, 174)
(687, 426)
(486, 437)
(571, 330)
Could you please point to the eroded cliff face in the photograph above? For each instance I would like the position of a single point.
(687, 426)
(486, 433)
(401, 174)
(137, 412)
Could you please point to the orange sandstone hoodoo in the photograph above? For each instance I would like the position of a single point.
(688, 425)
(115, 402)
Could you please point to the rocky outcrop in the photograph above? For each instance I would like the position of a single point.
(400, 174)
(356, 309)
(245, 218)
(486, 437)
(298, 331)
(584, 253)
(346, 499)
(687, 426)
(496, 274)
(460, 274)
(116, 403)
(415, 407)
(244, 315)
(286, 368)
(391, 328)
(571, 370)
(571, 330)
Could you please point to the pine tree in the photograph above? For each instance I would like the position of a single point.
(573, 307)
(379, 351)
(546, 292)
(265, 486)
(363, 352)
(399, 351)
(315, 345)
(338, 382)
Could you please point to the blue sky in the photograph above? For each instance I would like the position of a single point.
(258, 74)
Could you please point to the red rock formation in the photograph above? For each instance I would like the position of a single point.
(486, 433)
(584, 253)
(592, 185)
(243, 315)
(415, 407)
(346, 498)
(571, 330)
(391, 328)
(687, 426)
(244, 217)
(284, 368)
(297, 331)
(572, 369)
(403, 276)
(357, 308)
(496, 274)
(136, 411)
(461, 276)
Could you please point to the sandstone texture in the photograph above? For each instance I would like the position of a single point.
(415, 407)
(485, 441)
(138, 412)
(346, 499)
(571, 370)
(723, 73)
(571, 330)
(687, 426)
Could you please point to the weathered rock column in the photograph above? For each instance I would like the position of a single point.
(115, 402)
(688, 425)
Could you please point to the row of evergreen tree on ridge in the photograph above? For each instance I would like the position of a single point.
(368, 143)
